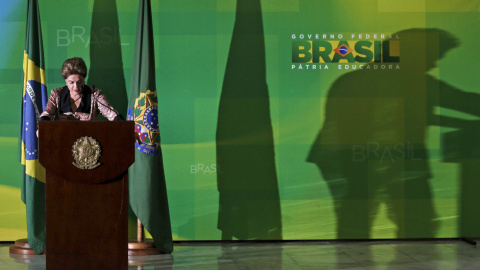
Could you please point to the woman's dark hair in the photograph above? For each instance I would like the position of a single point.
(74, 65)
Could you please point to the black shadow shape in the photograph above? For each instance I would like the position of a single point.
(106, 65)
(372, 146)
(249, 205)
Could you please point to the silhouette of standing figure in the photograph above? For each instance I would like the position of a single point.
(372, 146)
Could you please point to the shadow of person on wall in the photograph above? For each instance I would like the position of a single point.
(106, 65)
(372, 146)
(249, 203)
(462, 146)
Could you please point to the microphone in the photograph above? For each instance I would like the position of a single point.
(118, 117)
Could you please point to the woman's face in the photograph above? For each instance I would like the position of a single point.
(75, 83)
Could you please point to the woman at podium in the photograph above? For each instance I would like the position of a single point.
(76, 100)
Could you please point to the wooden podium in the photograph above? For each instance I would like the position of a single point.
(86, 200)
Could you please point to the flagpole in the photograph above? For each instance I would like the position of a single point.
(140, 235)
(141, 246)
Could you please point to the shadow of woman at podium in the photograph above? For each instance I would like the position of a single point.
(371, 149)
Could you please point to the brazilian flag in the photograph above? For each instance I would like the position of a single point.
(34, 100)
(147, 189)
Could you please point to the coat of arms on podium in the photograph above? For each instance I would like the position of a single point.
(86, 152)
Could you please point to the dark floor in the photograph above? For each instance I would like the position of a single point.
(441, 254)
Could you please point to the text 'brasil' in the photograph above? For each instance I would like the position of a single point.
(345, 51)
